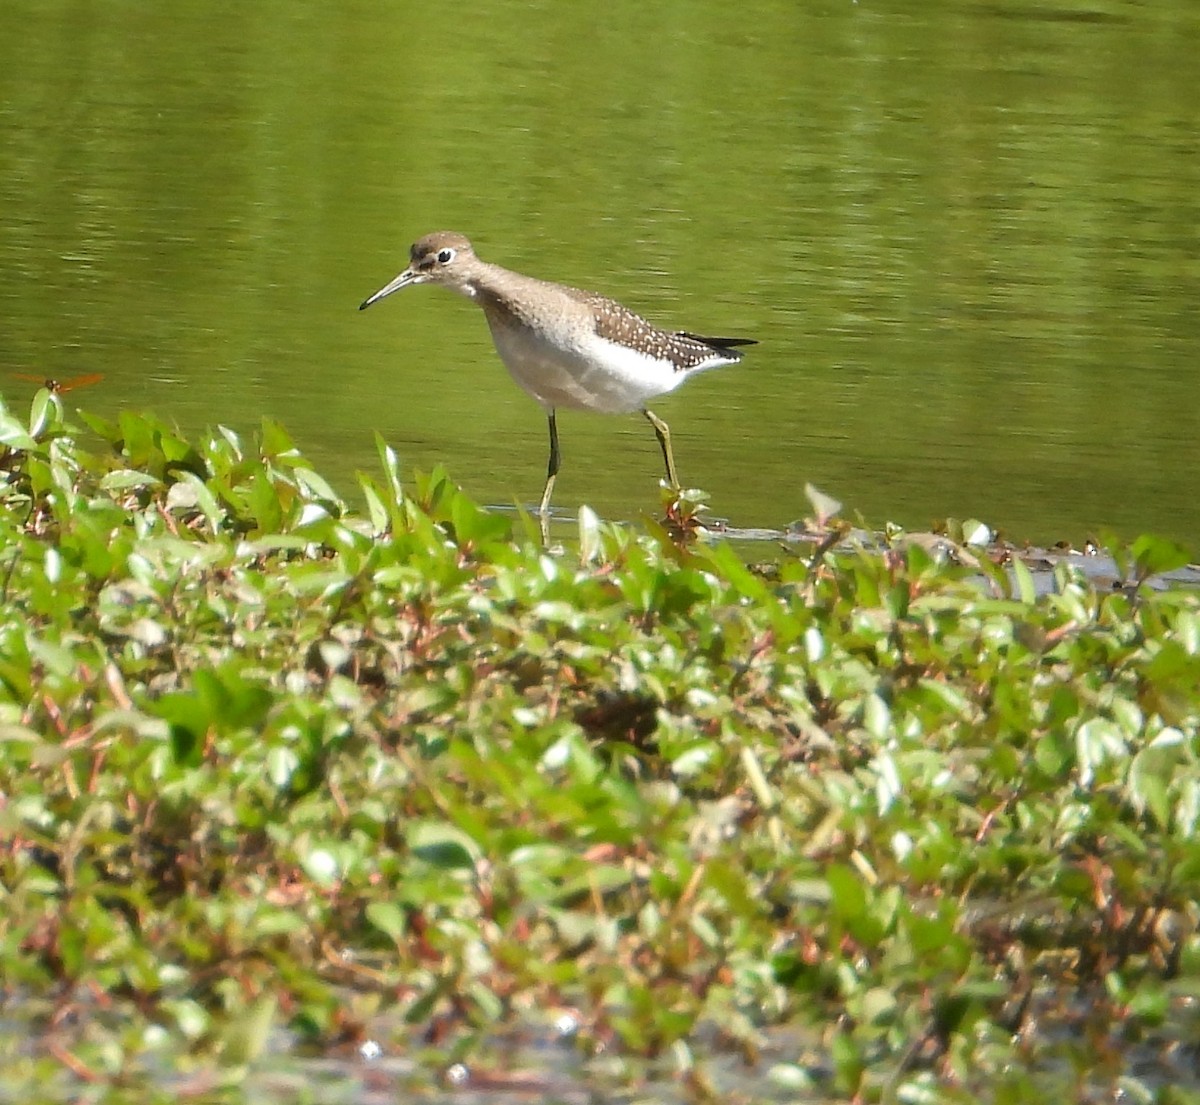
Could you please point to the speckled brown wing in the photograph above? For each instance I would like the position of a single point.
(617, 323)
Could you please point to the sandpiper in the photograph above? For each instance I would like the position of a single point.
(567, 347)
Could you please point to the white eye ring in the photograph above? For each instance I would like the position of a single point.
(445, 256)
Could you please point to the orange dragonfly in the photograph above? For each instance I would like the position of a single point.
(61, 387)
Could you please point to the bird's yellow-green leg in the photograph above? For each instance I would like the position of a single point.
(552, 467)
(664, 439)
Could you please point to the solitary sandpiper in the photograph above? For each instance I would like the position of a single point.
(567, 347)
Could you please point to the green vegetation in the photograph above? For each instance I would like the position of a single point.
(277, 775)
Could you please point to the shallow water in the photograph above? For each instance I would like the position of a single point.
(534, 1062)
(966, 234)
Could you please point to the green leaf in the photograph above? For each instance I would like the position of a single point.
(1154, 555)
(377, 511)
(443, 846)
(245, 1037)
(1054, 753)
(124, 479)
(45, 413)
(474, 525)
(13, 434)
(389, 918)
(1152, 773)
(390, 463)
(276, 441)
(188, 718)
(1026, 587)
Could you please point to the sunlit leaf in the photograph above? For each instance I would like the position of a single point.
(1154, 555)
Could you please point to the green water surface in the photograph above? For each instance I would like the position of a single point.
(966, 234)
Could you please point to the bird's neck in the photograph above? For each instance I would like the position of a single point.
(503, 293)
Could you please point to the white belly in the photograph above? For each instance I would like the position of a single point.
(591, 374)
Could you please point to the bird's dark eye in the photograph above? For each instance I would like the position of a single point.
(445, 256)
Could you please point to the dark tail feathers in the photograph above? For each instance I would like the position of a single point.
(719, 343)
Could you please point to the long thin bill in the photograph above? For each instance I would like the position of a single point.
(402, 281)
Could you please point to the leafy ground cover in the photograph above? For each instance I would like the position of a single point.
(279, 776)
